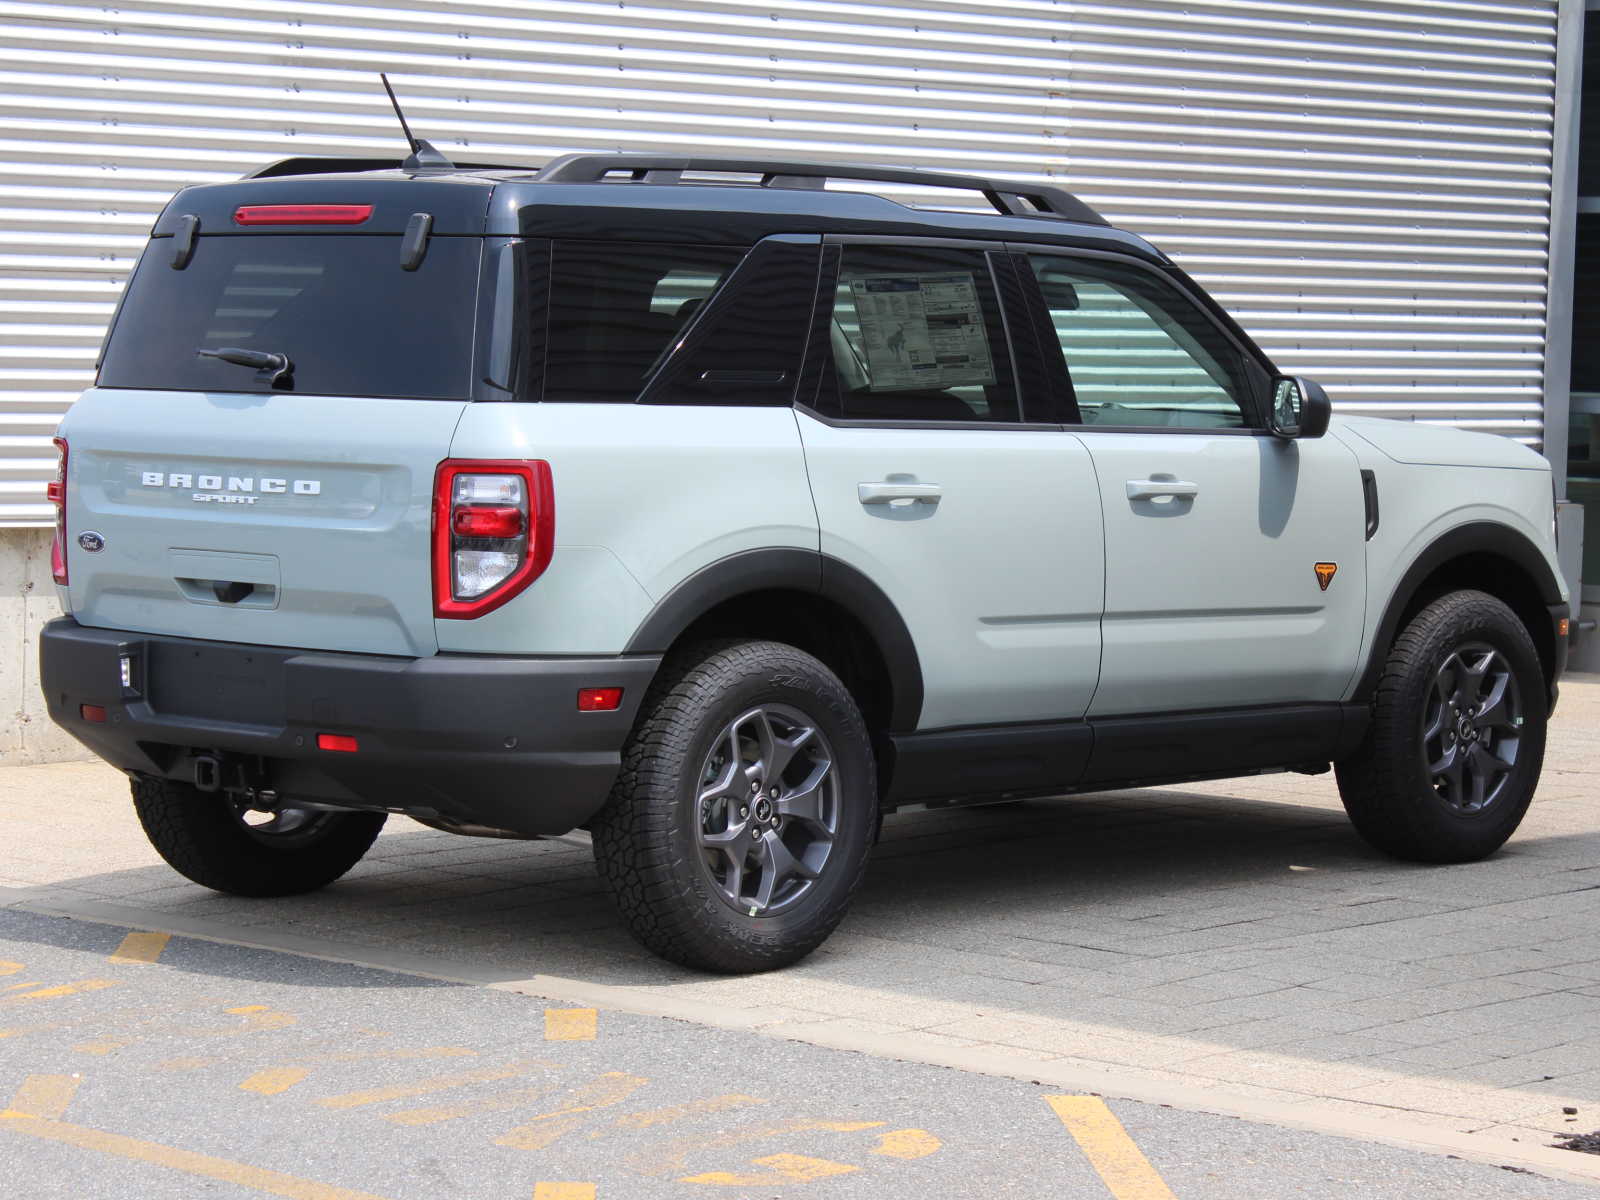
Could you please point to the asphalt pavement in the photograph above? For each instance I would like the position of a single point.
(135, 1063)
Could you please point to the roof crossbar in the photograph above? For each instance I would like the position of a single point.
(1011, 197)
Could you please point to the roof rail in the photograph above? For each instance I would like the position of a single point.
(1011, 197)
(319, 164)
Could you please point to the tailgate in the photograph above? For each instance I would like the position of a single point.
(284, 519)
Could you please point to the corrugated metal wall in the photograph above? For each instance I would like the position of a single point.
(1364, 183)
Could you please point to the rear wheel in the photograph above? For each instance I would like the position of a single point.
(227, 846)
(1453, 754)
(739, 826)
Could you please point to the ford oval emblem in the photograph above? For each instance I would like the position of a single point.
(91, 541)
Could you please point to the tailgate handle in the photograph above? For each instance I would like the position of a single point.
(231, 591)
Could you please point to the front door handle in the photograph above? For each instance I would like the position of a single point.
(1151, 489)
(886, 492)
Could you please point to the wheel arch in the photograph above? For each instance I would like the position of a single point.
(1486, 557)
(818, 603)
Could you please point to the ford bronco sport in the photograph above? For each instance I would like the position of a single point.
(717, 511)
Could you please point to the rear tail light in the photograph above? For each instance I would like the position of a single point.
(56, 491)
(494, 526)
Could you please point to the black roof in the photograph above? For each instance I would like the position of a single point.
(652, 198)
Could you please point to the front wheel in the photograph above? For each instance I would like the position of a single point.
(1452, 757)
(740, 823)
(229, 847)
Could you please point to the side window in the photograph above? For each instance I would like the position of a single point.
(617, 307)
(916, 335)
(748, 342)
(1138, 352)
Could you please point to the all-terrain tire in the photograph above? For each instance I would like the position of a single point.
(202, 837)
(646, 838)
(1394, 800)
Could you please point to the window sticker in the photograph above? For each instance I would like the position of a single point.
(923, 331)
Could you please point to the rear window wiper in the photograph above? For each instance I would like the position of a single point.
(275, 369)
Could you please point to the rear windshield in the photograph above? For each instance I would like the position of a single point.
(351, 321)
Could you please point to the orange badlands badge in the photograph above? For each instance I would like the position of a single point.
(1325, 572)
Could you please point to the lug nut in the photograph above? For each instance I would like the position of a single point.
(743, 811)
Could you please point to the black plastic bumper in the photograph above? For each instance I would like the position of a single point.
(465, 739)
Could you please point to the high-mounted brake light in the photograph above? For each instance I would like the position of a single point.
(56, 492)
(301, 214)
(494, 528)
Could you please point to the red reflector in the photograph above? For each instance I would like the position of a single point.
(301, 214)
(599, 699)
(487, 522)
(341, 742)
(92, 712)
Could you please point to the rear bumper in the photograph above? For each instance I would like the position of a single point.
(462, 738)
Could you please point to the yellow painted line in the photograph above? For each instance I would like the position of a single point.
(247, 1008)
(677, 1112)
(780, 1168)
(611, 1088)
(421, 1087)
(65, 989)
(43, 1096)
(563, 1191)
(503, 1102)
(570, 1024)
(907, 1144)
(274, 1081)
(9, 968)
(99, 1046)
(140, 947)
(273, 1183)
(1121, 1165)
(17, 987)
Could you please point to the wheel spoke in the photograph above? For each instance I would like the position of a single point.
(1496, 711)
(784, 750)
(1437, 725)
(1472, 679)
(1478, 771)
(1450, 770)
(804, 803)
(780, 867)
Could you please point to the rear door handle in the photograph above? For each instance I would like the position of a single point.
(886, 493)
(1150, 489)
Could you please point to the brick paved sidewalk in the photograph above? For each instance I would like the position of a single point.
(1235, 937)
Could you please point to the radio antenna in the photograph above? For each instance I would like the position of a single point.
(423, 155)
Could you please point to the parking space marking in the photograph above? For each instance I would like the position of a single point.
(570, 1024)
(275, 1080)
(777, 1168)
(563, 1191)
(906, 1144)
(678, 1112)
(140, 947)
(9, 968)
(503, 1102)
(43, 1096)
(611, 1088)
(65, 989)
(421, 1087)
(272, 1182)
(1121, 1165)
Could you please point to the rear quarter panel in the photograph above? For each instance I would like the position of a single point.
(645, 496)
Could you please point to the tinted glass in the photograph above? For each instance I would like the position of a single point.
(616, 308)
(916, 335)
(746, 348)
(351, 321)
(1138, 352)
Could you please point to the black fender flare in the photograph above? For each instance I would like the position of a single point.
(793, 569)
(1478, 537)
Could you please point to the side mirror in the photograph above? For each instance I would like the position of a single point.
(1300, 408)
